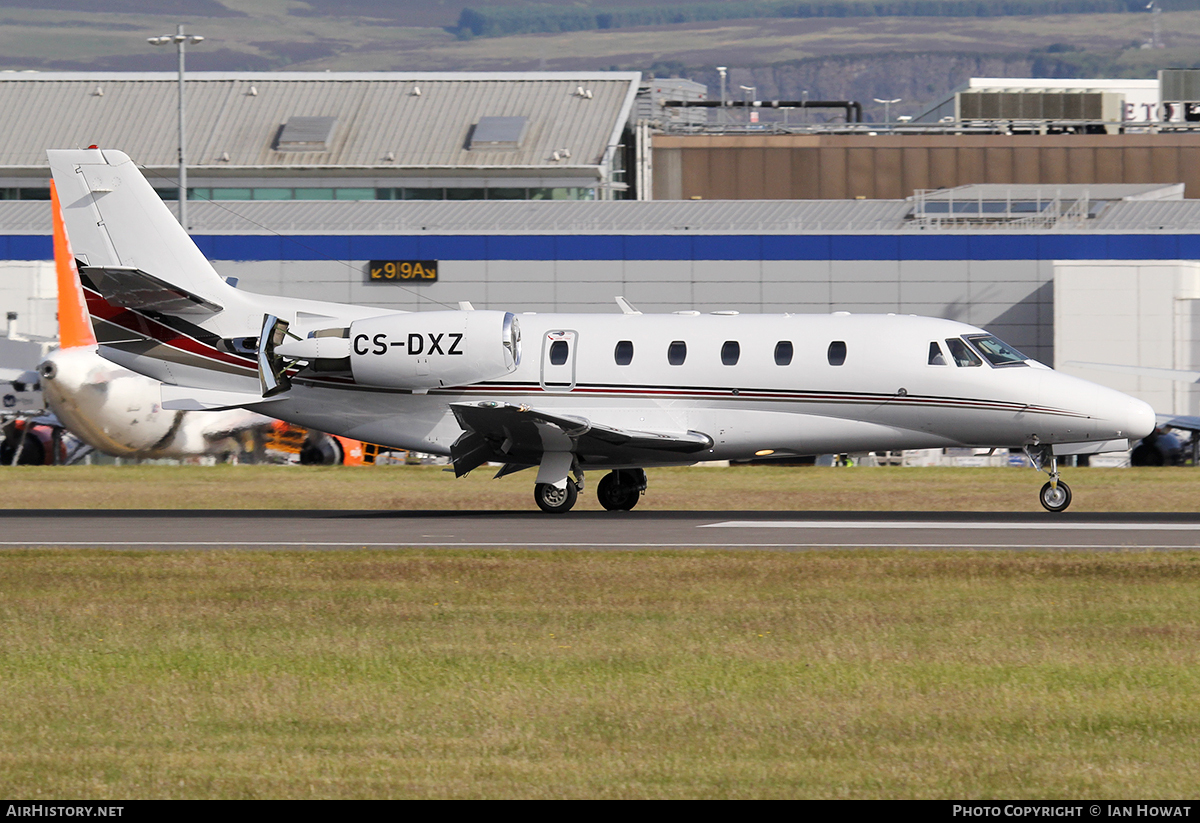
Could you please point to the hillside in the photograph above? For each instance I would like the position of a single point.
(917, 58)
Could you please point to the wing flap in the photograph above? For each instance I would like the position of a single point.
(520, 435)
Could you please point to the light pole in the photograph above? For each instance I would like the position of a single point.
(721, 70)
(180, 40)
(887, 109)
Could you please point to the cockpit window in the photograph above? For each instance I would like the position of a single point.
(997, 352)
(961, 352)
(936, 358)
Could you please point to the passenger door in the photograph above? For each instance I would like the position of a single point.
(558, 360)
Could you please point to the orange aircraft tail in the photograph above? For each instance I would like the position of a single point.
(74, 325)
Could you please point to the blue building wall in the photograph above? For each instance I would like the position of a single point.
(672, 247)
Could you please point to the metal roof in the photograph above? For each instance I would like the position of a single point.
(604, 217)
(1150, 216)
(1065, 191)
(383, 121)
(549, 217)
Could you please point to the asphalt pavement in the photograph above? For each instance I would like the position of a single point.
(173, 530)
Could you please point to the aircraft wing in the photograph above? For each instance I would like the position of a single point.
(1186, 422)
(186, 398)
(518, 436)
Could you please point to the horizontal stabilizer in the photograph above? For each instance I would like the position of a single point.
(519, 435)
(1142, 371)
(27, 376)
(186, 398)
(131, 288)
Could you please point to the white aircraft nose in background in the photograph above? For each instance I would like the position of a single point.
(1138, 417)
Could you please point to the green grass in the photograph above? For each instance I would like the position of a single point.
(715, 489)
(595, 674)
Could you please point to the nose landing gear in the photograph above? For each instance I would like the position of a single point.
(1055, 496)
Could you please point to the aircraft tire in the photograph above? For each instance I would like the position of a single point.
(1146, 455)
(32, 454)
(321, 450)
(1055, 500)
(554, 500)
(616, 492)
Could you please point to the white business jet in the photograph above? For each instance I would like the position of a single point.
(112, 409)
(562, 393)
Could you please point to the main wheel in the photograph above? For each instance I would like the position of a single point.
(1055, 499)
(321, 450)
(617, 491)
(554, 500)
(1146, 455)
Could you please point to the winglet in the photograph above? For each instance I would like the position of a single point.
(74, 326)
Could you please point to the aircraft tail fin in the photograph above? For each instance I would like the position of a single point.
(127, 240)
(74, 326)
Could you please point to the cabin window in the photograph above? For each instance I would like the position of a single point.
(936, 358)
(677, 353)
(837, 353)
(558, 352)
(961, 352)
(623, 353)
(783, 353)
(997, 352)
(730, 352)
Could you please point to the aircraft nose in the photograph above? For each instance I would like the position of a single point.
(1138, 420)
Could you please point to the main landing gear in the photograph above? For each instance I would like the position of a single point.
(553, 500)
(619, 490)
(1055, 496)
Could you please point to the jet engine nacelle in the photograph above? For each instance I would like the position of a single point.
(428, 350)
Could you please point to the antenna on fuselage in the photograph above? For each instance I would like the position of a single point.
(625, 307)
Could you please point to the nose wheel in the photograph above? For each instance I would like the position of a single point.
(1055, 497)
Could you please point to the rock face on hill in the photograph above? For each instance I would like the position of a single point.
(920, 80)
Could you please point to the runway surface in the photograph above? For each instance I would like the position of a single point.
(125, 529)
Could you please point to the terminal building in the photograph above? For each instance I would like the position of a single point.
(1091, 274)
(333, 136)
(1010, 131)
